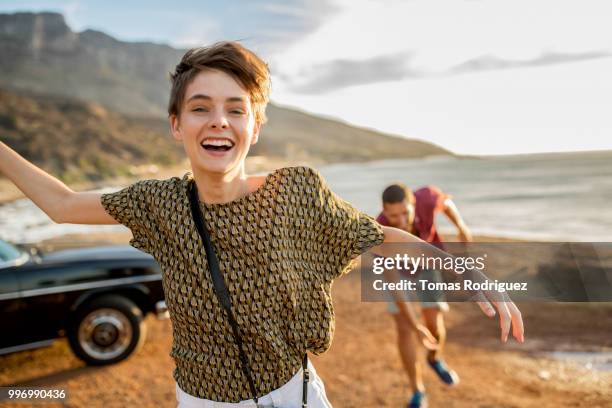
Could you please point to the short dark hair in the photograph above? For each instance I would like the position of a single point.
(396, 193)
(251, 72)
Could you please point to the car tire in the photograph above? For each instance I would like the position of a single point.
(106, 330)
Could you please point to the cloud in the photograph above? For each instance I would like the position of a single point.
(456, 38)
(298, 9)
(196, 32)
(271, 26)
(342, 73)
(70, 9)
(491, 62)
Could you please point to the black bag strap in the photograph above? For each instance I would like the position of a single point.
(222, 294)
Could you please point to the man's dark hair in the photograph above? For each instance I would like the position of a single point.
(396, 193)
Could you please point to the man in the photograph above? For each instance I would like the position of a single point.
(415, 213)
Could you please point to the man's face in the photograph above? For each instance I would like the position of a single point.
(215, 109)
(400, 215)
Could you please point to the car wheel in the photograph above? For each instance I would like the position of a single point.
(106, 330)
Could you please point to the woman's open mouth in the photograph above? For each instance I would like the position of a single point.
(217, 147)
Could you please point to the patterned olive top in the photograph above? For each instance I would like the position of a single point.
(279, 248)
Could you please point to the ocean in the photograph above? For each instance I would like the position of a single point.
(548, 197)
(552, 197)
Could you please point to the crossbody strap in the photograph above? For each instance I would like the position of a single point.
(222, 294)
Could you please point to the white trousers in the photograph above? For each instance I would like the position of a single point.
(288, 395)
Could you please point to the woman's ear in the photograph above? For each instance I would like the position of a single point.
(175, 127)
(256, 128)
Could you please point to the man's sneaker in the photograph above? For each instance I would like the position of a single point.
(419, 400)
(447, 375)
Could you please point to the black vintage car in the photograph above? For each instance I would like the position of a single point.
(97, 297)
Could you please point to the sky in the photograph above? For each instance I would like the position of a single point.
(476, 77)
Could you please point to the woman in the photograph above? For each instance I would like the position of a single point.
(280, 240)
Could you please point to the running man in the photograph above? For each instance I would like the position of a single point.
(415, 213)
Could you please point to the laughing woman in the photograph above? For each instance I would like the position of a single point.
(247, 261)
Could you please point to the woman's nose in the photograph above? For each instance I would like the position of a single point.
(218, 120)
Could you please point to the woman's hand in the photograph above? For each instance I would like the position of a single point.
(489, 301)
(509, 314)
(57, 200)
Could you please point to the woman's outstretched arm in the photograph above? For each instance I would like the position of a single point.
(509, 314)
(58, 201)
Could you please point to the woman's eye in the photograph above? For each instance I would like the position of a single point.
(237, 111)
(200, 110)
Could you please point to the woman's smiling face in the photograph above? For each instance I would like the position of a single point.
(216, 113)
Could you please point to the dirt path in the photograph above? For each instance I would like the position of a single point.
(362, 368)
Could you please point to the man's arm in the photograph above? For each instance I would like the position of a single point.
(58, 201)
(405, 309)
(451, 211)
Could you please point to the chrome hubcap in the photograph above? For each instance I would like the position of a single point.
(105, 333)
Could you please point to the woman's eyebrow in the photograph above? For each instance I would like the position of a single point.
(208, 98)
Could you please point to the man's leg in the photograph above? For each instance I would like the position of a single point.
(410, 352)
(434, 320)
(409, 349)
(432, 305)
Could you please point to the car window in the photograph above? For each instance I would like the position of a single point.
(8, 252)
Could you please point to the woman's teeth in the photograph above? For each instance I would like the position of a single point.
(217, 145)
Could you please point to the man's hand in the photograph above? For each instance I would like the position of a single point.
(451, 211)
(426, 338)
(465, 235)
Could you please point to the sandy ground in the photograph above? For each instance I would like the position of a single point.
(362, 368)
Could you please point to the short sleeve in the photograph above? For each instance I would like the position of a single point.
(431, 198)
(129, 207)
(440, 198)
(343, 231)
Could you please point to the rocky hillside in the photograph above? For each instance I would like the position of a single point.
(86, 106)
(39, 52)
(292, 133)
(76, 140)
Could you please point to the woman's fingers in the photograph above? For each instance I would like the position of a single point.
(505, 319)
(518, 330)
(509, 314)
(484, 304)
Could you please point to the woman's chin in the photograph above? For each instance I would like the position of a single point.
(215, 164)
(214, 161)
